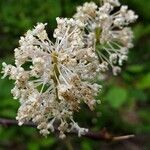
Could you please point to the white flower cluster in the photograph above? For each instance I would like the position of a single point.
(106, 31)
(53, 79)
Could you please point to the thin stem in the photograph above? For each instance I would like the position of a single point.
(55, 77)
(102, 135)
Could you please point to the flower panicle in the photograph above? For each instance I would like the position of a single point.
(107, 31)
(52, 79)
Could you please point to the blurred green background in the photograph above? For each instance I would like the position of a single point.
(125, 98)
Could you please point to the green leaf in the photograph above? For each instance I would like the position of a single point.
(7, 133)
(144, 115)
(144, 83)
(86, 145)
(135, 68)
(47, 142)
(33, 146)
(116, 96)
(141, 30)
(138, 94)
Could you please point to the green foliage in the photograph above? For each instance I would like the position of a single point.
(122, 97)
(86, 145)
(135, 68)
(144, 82)
(116, 96)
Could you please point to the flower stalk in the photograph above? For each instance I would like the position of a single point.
(56, 73)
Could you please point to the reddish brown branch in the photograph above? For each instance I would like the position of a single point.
(103, 135)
